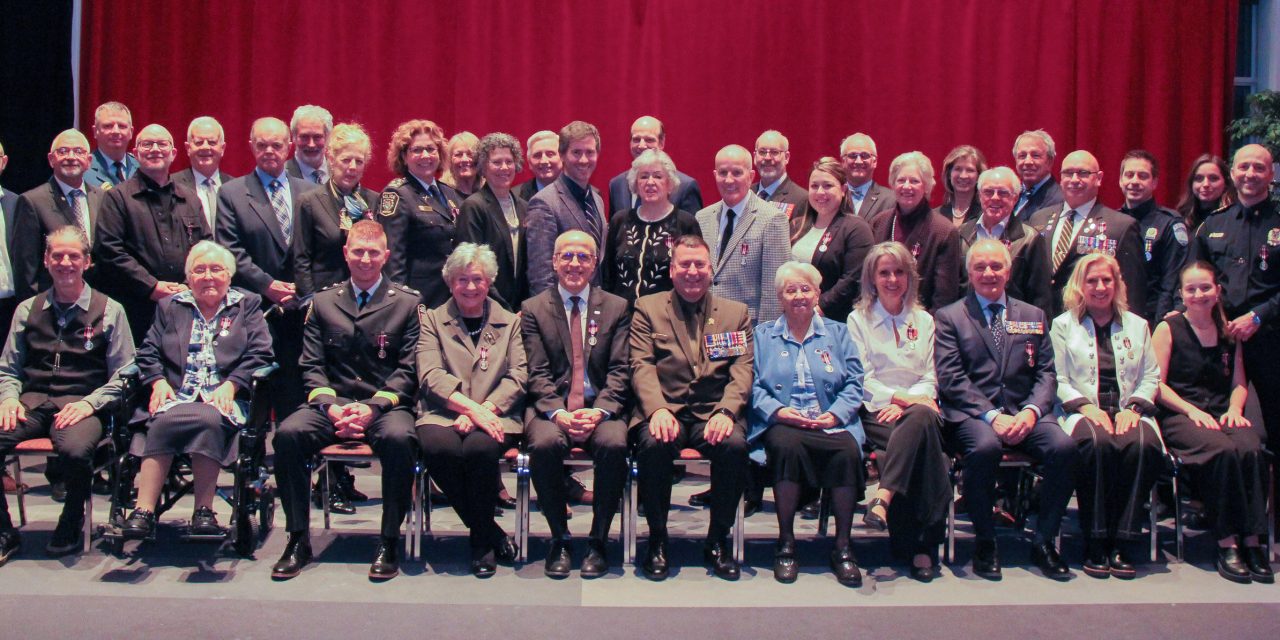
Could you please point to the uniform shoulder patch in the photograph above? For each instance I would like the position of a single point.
(1180, 232)
(405, 288)
(106, 186)
(397, 183)
(387, 205)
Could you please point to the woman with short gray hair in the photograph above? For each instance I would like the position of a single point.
(494, 216)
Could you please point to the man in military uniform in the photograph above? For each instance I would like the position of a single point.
(357, 366)
(1164, 234)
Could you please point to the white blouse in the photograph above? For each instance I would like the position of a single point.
(894, 363)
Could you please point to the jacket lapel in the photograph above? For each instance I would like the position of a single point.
(678, 328)
(980, 325)
(260, 202)
(740, 227)
(561, 321)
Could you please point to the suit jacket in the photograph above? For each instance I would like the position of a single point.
(839, 390)
(687, 195)
(787, 193)
(1029, 273)
(493, 370)
(36, 214)
(840, 263)
(1123, 241)
(247, 226)
(1048, 196)
(101, 175)
(9, 203)
(526, 190)
(936, 245)
(973, 379)
(669, 371)
(552, 212)
(483, 222)
(1075, 359)
(545, 330)
(421, 233)
(879, 198)
(294, 170)
(187, 178)
(318, 238)
(761, 243)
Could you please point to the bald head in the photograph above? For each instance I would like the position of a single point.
(646, 133)
(1252, 170)
(154, 148)
(733, 173)
(576, 236)
(269, 140)
(1081, 178)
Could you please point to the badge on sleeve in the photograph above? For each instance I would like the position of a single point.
(387, 205)
(1180, 233)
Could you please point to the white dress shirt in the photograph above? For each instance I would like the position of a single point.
(893, 363)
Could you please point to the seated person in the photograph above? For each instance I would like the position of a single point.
(198, 359)
(1107, 382)
(51, 387)
(472, 374)
(357, 367)
(894, 335)
(994, 363)
(805, 412)
(691, 373)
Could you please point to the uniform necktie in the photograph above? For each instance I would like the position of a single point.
(727, 233)
(997, 327)
(1063, 245)
(362, 300)
(79, 204)
(284, 214)
(577, 393)
(1022, 201)
(762, 192)
(119, 167)
(435, 194)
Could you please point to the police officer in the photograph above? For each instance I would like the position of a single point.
(357, 366)
(1164, 234)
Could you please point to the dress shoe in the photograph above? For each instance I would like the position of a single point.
(577, 492)
(559, 560)
(482, 565)
(1232, 566)
(58, 491)
(922, 574)
(655, 561)
(347, 485)
(1045, 556)
(596, 563)
(700, 499)
(66, 537)
(385, 563)
(139, 525)
(1121, 567)
(986, 560)
(874, 520)
(338, 502)
(751, 507)
(297, 553)
(1096, 562)
(1259, 567)
(10, 542)
(845, 567)
(811, 510)
(504, 551)
(719, 555)
(785, 568)
(204, 522)
(505, 501)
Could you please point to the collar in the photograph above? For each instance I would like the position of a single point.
(690, 309)
(267, 179)
(880, 315)
(737, 209)
(186, 297)
(67, 189)
(356, 290)
(426, 186)
(860, 192)
(1261, 208)
(997, 232)
(539, 186)
(151, 185)
(1031, 191)
(1083, 209)
(200, 177)
(771, 188)
(985, 302)
(565, 294)
(576, 190)
(107, 162)
(816, 329)
(83, 301)
(307, 169)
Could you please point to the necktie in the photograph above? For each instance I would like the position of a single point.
(577, 397)
(317, 176)
(762, 192)
(857, 200)
(1063, 245)
(210, 199)
(353, 207)
(119, 167)
(362, 300)
(284, 214)
(79, 204)
(997, 327)
(1022, 201)
(434, 192)
(727, 232)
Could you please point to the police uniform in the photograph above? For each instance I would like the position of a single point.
(1164, 248)
(420, 234)
(350, 355)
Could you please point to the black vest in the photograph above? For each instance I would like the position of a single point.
(58, 366)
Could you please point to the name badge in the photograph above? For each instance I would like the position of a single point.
(719, 346)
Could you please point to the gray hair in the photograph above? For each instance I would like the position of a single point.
(898, 252)
(796, 269)
(68, 232)
(786, 144)
(986, 244)
(1001, 173)
(920, 162)
(210, 249)
(1042, 135)
(493, 142)
(311, 112)
(539, 136)
(467, 254)
(112, 106)
(209, 121)
(859, 136)
(650, 157)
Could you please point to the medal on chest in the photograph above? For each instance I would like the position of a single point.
(593, 328)
(826, 360)
(1031, 355)
(822, 244)
(88, 338)
(224, 327)
(915, 250)
(912, 335)
(382, 345)
(745, 250)
(484, 358)
(1263, 252)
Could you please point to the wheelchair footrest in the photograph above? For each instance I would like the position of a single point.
(185, 535)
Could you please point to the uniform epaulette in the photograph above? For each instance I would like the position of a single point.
(406, 289)
(397, 183)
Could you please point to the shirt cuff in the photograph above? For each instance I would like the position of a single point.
(990, 416)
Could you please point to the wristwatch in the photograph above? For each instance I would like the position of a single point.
(1136, 408)
(724, 412)
(1257, 319)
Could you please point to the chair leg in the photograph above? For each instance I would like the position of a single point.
(88, 522)
(949, 554)
(21, 491)
(414, 534)
(522, 506)
(824, 511)
(740, 530)
(629, 526)
(425, 488)
(1155, 524)
(325, 491)
(1177, 519)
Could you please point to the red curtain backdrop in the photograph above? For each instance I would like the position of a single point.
(1103, 75)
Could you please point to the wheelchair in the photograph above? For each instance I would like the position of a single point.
(251, 496)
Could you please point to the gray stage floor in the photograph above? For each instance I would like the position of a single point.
(192, 590)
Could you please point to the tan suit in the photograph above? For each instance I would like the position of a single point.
(448, 362)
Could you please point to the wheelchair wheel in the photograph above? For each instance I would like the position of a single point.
(266, 510)
(246, 536)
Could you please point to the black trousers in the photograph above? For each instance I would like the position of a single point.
(915, 468)
(1115, 478)
(655, 461)
(548, 445)
(302, 435)
(74, 445)
(286, 339)
(1046, 444)
(466, 468)
(1228, 470)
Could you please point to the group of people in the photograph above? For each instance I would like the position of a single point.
(786, 329)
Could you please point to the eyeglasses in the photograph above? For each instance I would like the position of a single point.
(769, 153)
(211, 269)
(417, 151)
(72, 152)
(584, 258)
(996, 193)
(859, 155)
(162, 145)
(1082, 174)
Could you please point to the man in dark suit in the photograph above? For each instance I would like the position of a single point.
(577, 401)
(691, 372)
(1081, 225)
(310, 128)
(111, 164)
(8, 205)
(570, 203)
(773, 152)
(647, 132)
(256, 215)
(1029, 274)
(544, 162)
(1033, 154)
(206, 143)
(997, 389)
(145, 229)
(858, 153)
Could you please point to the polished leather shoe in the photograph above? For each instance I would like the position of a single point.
(504, 552)
(845, 567)
(922, 574)
(700, 499)
(346, 483)
(483, 566)
(10, 542)
(785, 567)
(385, 563)
(204, 522)
(559, 560)
(1231, 565)
(297, 553)
(577, 492)
(1045, 556)
(874, 520)
(751, 507)
(1259, 567)
(139, 525)
(596, 563)
(505, 501)
(1121, 567)
(986, 560)
(338, 502)
(655, 561)
(811, 511)
(719, 555)
(58, 491)
(1096, 562)
(66, 537)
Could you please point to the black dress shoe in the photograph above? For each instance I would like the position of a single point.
(385, 563)
(204, 522)
(139, 525)
(559, 560)
(58, 491)
(986, 560)
(845, 567)
(596, 563)
(1121, 567)
(811, 510)
(505, 502)
(719, 555)
(1045, 556)
(655, 561)
(872, 519)
(1259, 567)
(751, 507)
(346, 483)
(338, 502)
(504, 551)
(10, 542)
(700, 499)
(1232, 566)
(482, 565)
(66, 537)
(1096, 562)
(297, 553)
(922, 574)
(785, 568)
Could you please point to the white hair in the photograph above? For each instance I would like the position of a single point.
(311, 112)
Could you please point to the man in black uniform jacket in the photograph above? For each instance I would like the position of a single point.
(1164, 235)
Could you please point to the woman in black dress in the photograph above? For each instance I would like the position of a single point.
(1209, 190)
(637, 253)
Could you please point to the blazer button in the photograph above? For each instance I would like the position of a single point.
(784, 354)
(715, 283)
(777, 387)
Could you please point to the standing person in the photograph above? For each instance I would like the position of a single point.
(206, 143)
(1029, 275)
(960, 171)
(495, 216)
(571, 203)
(111, 163)
(866, 198)
(310, 128)
(544, 163)
(1164, 233)
(648, 133)
(1209, 191)
(1033, 154)
(461, 171)
(772, 154)
(826, 234)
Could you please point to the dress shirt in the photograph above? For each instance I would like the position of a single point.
(1076, 218)
(893, 362)
(766, 190)
(588, 392)
(356, 290)
(266, 180)
(986, 303)
(995, 234)
(1027, 193)
(208, 194)
(6, 265)
(805, 247)
(306, 170)
(76, 207)
(724, 220)
(858, 195)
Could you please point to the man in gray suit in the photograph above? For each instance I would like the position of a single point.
(858, 153)
(773, 152)
(749, 237)
(310, 128)
(206, 143)
(568, 204)
(647, 132)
